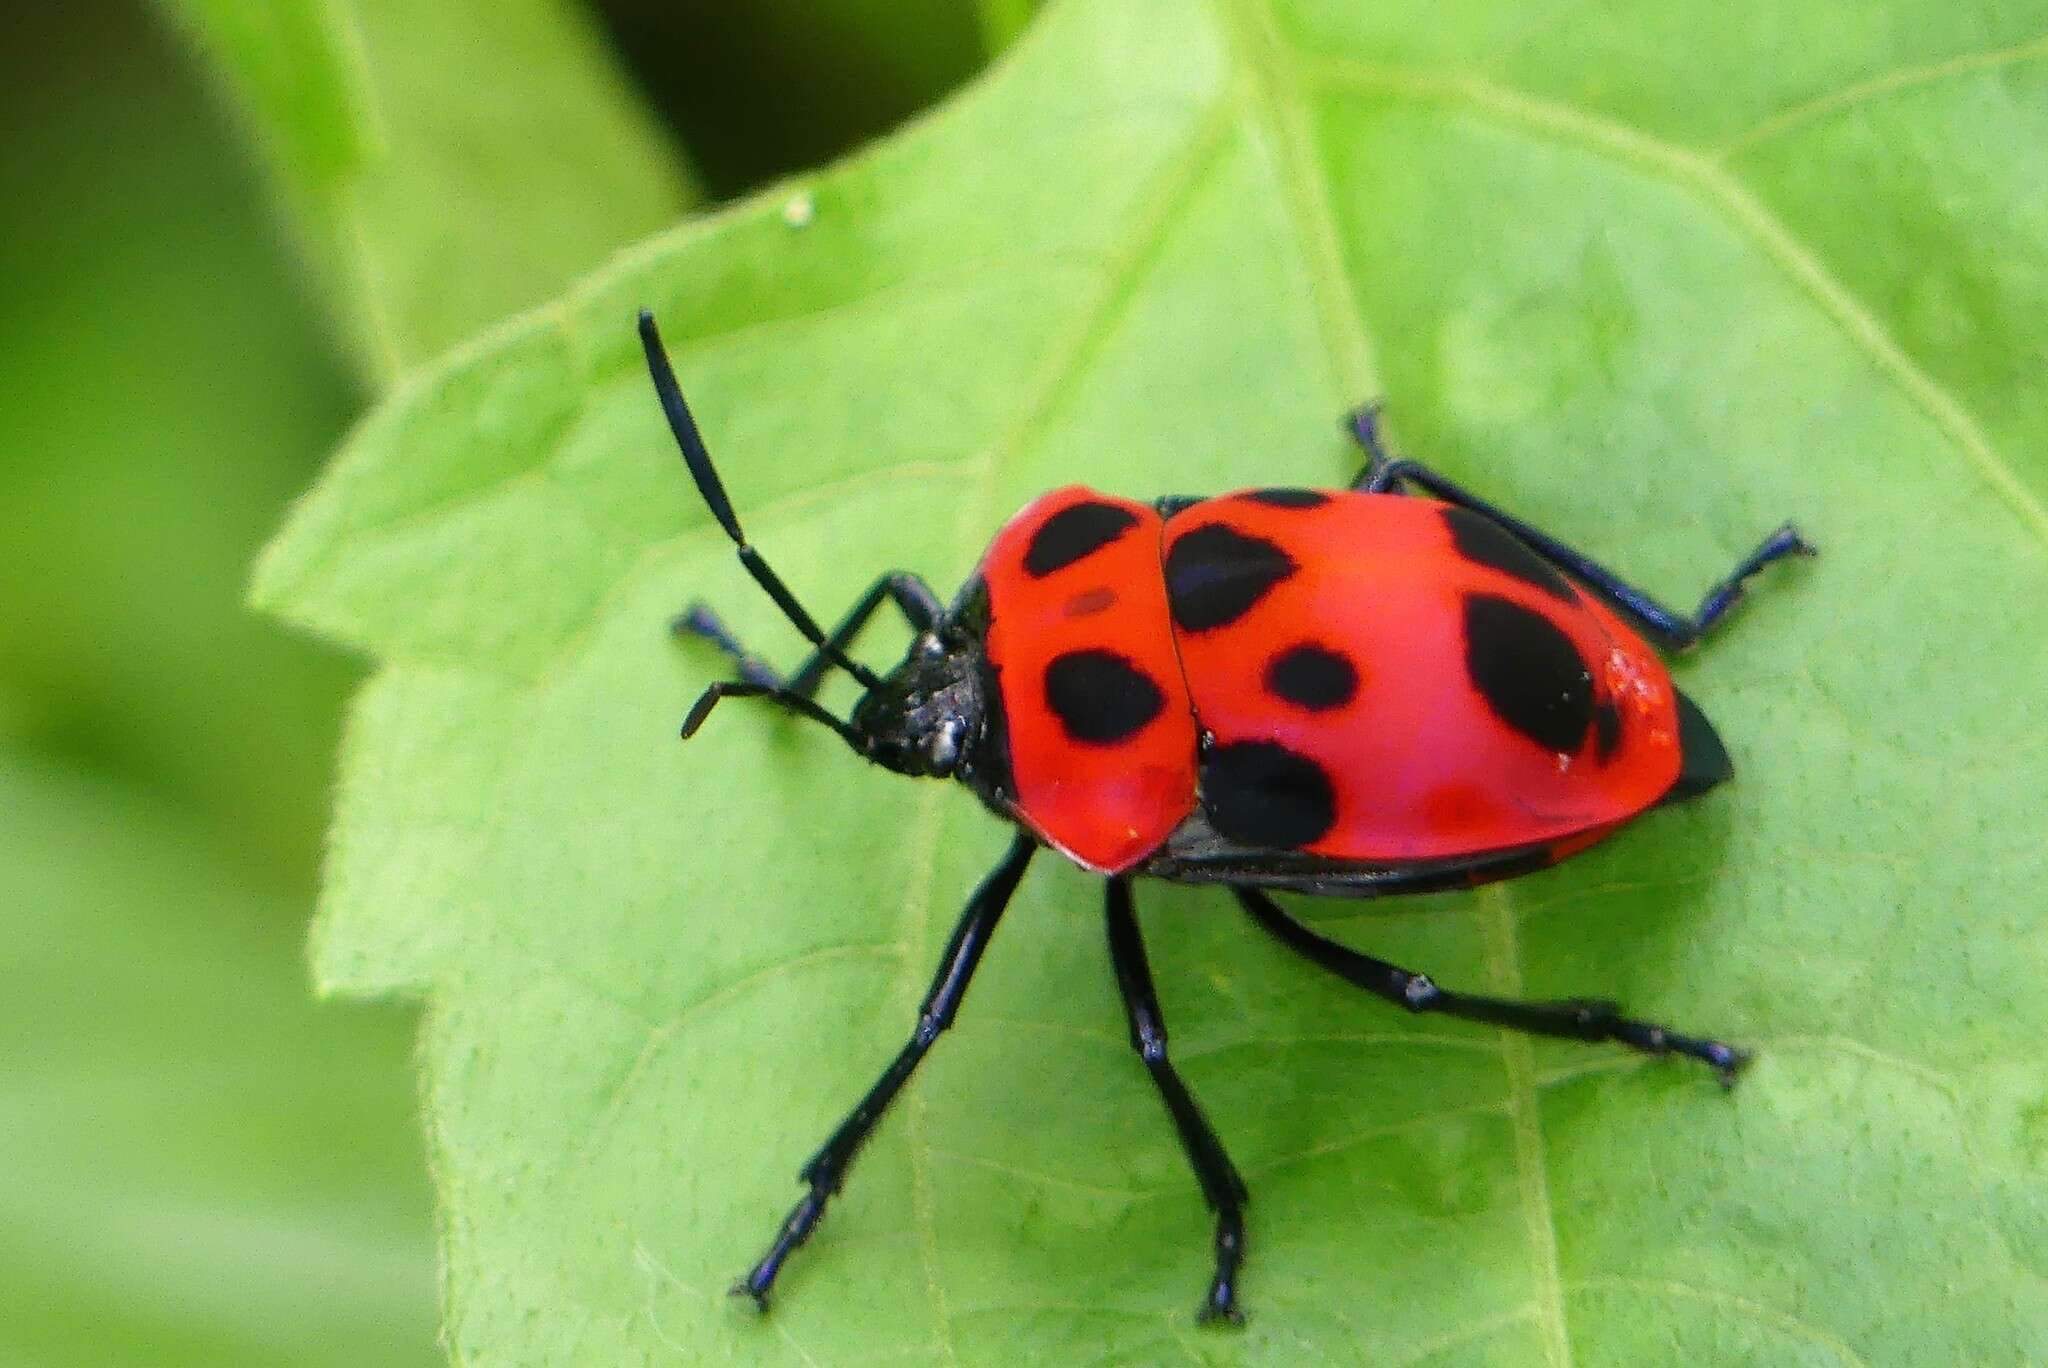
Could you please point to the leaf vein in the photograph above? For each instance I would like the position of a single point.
(1429, 1348)
(1504, 956)
(1721, 190)
(1274, 82)
(658, 1038)
(1768, 1315)
(1368, 1134)
(1876, 87)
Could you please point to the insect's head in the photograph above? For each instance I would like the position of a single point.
(927, 716)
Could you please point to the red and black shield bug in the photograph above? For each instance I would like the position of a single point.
(1349, 693)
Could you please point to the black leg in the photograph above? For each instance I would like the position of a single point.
(1364, 427)
(919, 605)
(1384, 474)
(1221, 1187)
(827, 1168)
(796, 703)
(698, 620)
(1573, 1018)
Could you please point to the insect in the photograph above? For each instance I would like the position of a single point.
(1346, 693)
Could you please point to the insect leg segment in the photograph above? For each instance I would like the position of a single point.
(1674, 629)
(1364, 428)
(1571, 1018)
(913, 598)
(911, 595)
(826, 1170)
(796, 703)
(698, 620)
(1221, 1186)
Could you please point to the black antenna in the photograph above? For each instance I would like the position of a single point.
(699, 460)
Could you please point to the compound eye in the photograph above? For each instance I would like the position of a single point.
(929, 647)
(944, 746)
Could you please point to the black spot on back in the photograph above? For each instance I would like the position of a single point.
(1214, 575)
(1606, 731)
(1312, 677)
(1483, 541)
(1289, 498)
(1100, 697)
(1074, 532)
(1260, 793)
(1528, 672)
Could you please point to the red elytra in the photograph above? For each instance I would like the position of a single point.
(1340, 693)
(1356, 656)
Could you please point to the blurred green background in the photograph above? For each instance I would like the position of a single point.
(202, 1165)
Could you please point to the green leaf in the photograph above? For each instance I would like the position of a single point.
(450, 163)
(202, 1168)
(1655, 278)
